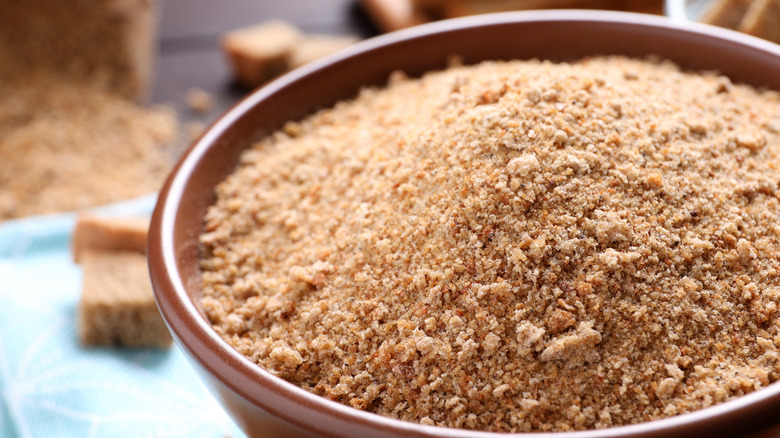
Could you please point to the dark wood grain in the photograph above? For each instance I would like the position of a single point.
(188, 49)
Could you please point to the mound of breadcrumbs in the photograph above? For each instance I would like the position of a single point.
(67, 146)
(512, 246)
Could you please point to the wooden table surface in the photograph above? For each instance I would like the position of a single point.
(189, 56)
(188, 50)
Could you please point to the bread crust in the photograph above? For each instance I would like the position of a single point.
(96, 232)
(726, 13)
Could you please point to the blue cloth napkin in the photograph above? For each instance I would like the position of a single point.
(51, 386)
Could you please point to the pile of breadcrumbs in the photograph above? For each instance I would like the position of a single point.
(67, 146)
(512, 246)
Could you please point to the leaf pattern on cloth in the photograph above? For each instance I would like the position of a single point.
(52, 386)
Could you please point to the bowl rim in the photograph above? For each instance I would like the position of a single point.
(194, 334)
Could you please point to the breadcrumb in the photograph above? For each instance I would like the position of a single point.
(512, 246)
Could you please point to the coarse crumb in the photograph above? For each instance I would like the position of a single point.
(536, 246)
(199, 100)
(259, 52)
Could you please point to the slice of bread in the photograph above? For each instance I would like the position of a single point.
(117, 305)
(108, 233)
(726, 13)
(762, 19)
(258, 53)
(311, 47)
(391, 15)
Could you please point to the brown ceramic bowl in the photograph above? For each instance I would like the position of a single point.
(264, 405)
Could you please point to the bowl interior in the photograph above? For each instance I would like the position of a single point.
(554, 35)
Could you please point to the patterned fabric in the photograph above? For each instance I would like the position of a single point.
(51, 386)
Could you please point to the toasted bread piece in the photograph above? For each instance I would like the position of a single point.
(726, 13)
(117, 305)
(311, 47)
(199, 100)
(762, 19)
(391, 15)
(109, 233)
(258, 53)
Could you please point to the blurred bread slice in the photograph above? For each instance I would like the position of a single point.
(762, 19)
(311, 47)
(109, 233)
(391, 15)
(726, 13)
(117, 306)
(258, 53)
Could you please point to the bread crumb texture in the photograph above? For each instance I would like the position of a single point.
(512, 246)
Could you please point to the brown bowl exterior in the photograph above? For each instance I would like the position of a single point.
(264, 405)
